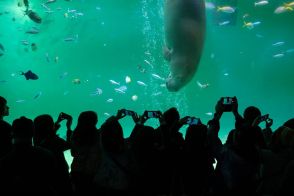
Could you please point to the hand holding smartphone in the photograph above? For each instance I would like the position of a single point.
(193, 121)
(227, 103)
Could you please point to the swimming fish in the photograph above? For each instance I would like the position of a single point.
(71, 39)
(20, 101)
(121, 89)
(114, 82)
(2, 50)
(109, 100)
(33, 30)
(282, 9)
(25, 42)
(209, 5)
(156, 76)
(278, 44)
(38, 95)
(251, 25)
(260, 3)
(203, 85)
(50, 1)
(280, 55)
(141, 83)
(34, 16)
(226, 9)
(76, 81)
(29, 75)
(224, 23)
(291, 4)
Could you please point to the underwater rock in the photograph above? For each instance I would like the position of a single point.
(29, 75)
(185, 31)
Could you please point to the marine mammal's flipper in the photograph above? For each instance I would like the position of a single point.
(167, 53)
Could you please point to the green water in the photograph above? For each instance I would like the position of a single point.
(113, 38)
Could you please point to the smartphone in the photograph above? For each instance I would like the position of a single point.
(227, 103)
(264, 117)
(129, 112)
(63, 116)
(193, 121)
(152, 114)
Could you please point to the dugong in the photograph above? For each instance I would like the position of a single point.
(184, 23)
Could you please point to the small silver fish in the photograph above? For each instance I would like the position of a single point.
(114, 82)
(20, 101)
(278, 44)
(109, 100)
(38, 95)
(25, 42)
(146, 61)
(141, 83)
(47, 57)
(280, 55)
(157, 77)
(33, 30)
(224, 23)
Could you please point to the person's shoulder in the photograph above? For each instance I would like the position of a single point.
(4, 124)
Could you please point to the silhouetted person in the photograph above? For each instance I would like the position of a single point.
(145, 147)
(5, 128)
(114, 176)
(277, 174)
(171, 141)
(250, 116)
(27, 169)
(198, 162)
(238, 162)
(45, 136)
(86, 152)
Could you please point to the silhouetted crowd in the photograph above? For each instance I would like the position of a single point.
(151, 161)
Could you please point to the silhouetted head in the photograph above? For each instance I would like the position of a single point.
(283, 138)
(251, 113)
(85, 131)
(112, 136)
(44, 126)
(87, 119)
(289, 123)
(22, 128)
(196, 135)
(4, 109)
(171, 116)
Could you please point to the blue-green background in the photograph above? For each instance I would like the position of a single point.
(113, 39)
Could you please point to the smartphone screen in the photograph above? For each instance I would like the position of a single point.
(227, 100)
(129, 112)
(193, 121)
(151, 114)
